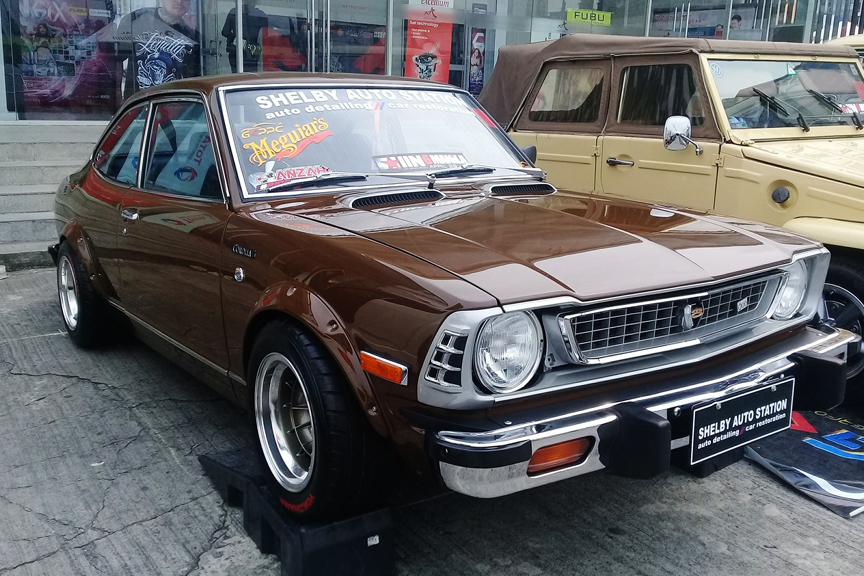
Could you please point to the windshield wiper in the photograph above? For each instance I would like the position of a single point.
(835, 106)
(320, 180)
(466, 169)
(774, 101)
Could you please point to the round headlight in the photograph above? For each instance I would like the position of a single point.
(508, 351)
(792, 291)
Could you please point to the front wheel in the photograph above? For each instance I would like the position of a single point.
(321, 457)
(844, 299)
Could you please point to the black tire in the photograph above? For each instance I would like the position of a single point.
(351, 466)
(846, 280)
(92, 323)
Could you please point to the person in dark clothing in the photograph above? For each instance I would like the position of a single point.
(157, 46)
(253, 21)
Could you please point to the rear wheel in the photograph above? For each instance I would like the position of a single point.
(84, 312)
(844, 298)
(321, 457)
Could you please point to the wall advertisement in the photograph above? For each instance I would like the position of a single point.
(427, 50)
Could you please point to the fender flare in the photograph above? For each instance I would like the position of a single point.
(294, 300)
(83, 248)
(830, 231)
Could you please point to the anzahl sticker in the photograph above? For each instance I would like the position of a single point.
(263, 181)
(408, 162)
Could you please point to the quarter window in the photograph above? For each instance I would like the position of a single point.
(568, 95)
(119, 154)
(181, 159)
(651, 94)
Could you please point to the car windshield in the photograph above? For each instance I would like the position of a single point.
(284, 136)
(778, 94)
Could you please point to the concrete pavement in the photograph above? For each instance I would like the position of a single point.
(99, 475)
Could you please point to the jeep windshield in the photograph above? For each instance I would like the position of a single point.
(789, 93)
(284, 135)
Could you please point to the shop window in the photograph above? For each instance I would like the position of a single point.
(651, 94)
(181, 159)
(569, 95)
(118, 156)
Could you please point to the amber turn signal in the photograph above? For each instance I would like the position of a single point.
(383, 368)
(558, 455)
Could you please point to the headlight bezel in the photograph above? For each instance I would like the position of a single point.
(802, 267)
(525, 378)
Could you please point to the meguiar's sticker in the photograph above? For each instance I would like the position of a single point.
(288, 145)
(413, 162)
(737, 122)
(850, 107)
(716, 70)
(263, 181)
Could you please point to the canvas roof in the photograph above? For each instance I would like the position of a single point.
(518, 65)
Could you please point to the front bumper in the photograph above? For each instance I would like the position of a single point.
(632, 435)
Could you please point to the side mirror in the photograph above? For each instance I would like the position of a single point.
(676, 134)
(531, 153)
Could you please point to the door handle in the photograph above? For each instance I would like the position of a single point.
(129, 214)
(616, 162)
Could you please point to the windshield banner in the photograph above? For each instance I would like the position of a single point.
(822, 455)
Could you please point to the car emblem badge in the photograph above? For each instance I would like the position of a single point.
(741, 306)
(691, 315)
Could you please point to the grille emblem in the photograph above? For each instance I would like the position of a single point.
(691, 315)
(742, 305)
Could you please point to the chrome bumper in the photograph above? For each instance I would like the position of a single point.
(523, 439)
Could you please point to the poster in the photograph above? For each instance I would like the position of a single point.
(82, 56)
(427, 50)
(822, 455)
(60, 64)
(477, 61)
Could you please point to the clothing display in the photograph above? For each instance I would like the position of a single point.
(254, 20)
(156, 51)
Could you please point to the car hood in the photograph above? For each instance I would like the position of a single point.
(840, 159)
(520, 249)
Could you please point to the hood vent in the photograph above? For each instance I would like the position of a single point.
(396, 198)
(526, 189)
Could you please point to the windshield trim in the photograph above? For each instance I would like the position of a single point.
(742, 135)
(246, 197)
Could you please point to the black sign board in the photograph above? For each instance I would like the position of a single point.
(725, 424)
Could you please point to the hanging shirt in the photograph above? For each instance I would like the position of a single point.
(157, 52)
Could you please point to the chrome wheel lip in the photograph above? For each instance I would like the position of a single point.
(291, 461)
(67, 288)
(856, 367)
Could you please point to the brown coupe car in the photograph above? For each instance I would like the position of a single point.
(370, 264)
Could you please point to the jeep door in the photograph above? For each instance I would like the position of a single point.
(634, 162)
(171, 237)
(563, 116)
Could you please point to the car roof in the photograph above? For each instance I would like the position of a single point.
(856, 40)
(518, 65)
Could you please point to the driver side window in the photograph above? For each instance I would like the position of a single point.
(181, 159)
(651, 94)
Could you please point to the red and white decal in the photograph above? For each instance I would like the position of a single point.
(263, 181)
(412, 162)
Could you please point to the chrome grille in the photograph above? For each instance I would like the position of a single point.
(668, 322)
(445, 366)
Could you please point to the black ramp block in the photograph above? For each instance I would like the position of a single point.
(358, 546)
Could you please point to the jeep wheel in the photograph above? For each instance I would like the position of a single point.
(844, 298)
(320, 456)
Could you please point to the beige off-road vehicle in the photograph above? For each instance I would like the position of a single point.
(756, 130)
